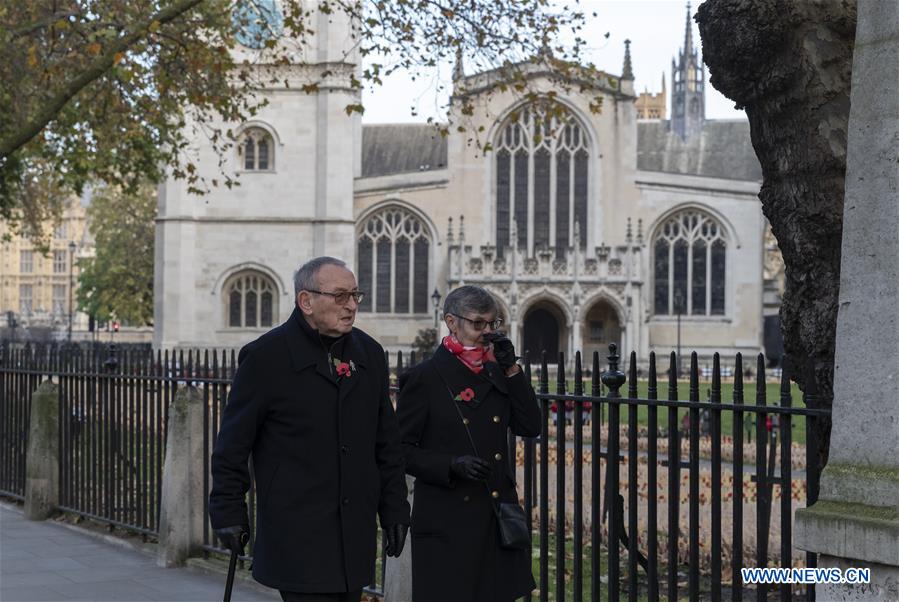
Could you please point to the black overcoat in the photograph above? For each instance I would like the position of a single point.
(326, 457)
(455, 541)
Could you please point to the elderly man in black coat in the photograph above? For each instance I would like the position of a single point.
(310, 406)
(455, 412)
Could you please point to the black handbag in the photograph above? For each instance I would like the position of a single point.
(510, 516)
(513, 526)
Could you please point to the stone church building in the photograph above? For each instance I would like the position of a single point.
(603, 227)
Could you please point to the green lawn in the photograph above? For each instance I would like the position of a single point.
(772, 392)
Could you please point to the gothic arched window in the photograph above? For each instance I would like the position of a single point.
(393, 252)
(542, 165)
(256, 150)
(689, 254)
(250, 300)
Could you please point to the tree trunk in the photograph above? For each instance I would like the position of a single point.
(789, 64)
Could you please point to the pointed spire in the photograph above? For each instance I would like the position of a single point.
(449, 231)
(627, 72)
(663, 82)
(629, 235)
(459, 67)
(688, 35)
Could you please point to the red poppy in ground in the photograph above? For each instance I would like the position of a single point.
(343, 369)
(467, 394)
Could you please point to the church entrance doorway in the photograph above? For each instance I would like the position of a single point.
(601, 327)
(542, 332)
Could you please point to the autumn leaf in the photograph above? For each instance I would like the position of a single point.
(94, 48)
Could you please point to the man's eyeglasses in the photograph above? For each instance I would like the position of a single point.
(481, 324)
(342, 298)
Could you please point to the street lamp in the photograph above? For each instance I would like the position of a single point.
(72, 247)
(435, 299)
(678, 307)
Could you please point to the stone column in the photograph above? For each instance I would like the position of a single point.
(855, 522)
(398, 572)
(42, 459)
(577, 336)
(181, 508)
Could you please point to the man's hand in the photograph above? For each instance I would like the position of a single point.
(396, 539)
(470, 467)
(234, 538)
(503, 349)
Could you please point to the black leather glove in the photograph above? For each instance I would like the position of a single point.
(470, 467)
(234, 538)
(503, 349)
(396, 539)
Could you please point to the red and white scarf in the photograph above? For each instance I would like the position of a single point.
(472, 357)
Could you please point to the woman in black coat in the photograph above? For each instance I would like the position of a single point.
(472, 382)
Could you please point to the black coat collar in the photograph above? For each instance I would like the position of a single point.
(307, 349)
(457, 377)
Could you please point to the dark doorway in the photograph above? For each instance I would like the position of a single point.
(600, 328)
(541, 333)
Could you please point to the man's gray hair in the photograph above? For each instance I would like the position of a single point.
(470, 299)
(304, 278)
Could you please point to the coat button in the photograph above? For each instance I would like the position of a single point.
(498, 457)
(465, 421)
(496, 419)
(495, 494)
(465, 499)
(346, 501)
(345, 449)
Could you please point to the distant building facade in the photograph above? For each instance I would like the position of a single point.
(606, 229)
(652, 106)
(36, 289)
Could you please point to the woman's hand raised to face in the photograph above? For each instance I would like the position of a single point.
(503, 350)
(470, 467)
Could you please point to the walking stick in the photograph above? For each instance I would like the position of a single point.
(232, 565)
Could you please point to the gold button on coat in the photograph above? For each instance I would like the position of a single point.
(498, 456)
(465, 421)
(495, 494)
(496, 419)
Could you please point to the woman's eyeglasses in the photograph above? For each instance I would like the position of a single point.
(342, 298)
(481, 324)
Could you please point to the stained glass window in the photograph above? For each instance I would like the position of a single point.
(251, 300)
(257, 150)
(542, 156)
(689, 265)
(394, 255)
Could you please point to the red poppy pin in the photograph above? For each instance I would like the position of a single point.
(344, 368)
(466, 394)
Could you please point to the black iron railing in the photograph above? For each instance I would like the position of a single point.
(113, 409)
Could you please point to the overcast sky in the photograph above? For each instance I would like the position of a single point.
(656, 31)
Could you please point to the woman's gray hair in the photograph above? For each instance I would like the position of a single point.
(470, 299)
(304, 278)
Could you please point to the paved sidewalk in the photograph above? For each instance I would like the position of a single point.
(50, 561)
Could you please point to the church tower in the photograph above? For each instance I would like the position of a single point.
(225, 260)
(687, 88)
